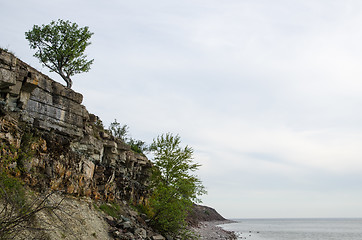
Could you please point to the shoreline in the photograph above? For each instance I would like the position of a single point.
(210, 230)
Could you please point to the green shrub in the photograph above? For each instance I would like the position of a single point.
(118, 131)
(121, 131)
(112, 209)
(174, 187)
(137, 146)
(143, 209)
(12, 189)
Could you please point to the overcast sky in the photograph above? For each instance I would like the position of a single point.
(268, 93)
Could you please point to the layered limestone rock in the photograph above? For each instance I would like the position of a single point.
(70, 151)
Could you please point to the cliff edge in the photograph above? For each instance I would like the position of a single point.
(50, 141)
(70, 149)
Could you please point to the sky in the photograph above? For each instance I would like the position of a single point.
(267, 93)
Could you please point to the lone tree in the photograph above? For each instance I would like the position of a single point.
(174, 186)
(60, 46)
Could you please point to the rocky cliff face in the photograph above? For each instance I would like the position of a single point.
(70, 151)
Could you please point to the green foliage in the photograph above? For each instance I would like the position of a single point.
(99, 125)
(17, 213)
(174, 186)
(137, 146)
(98, 128)
(11, 193)
(26, 151)
(17, 207)
(27, 139)
(12, 163)
(142, 209)
(118, 131)
(121, 132)
(12, 189)
(8, 156)
(60, 47)
(12, 159)
(112, 209)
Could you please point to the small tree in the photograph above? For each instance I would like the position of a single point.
(60, 47)
(121, 132)
(118, 131)
(174, 186)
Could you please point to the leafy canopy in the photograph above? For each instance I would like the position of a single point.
(175, 188)
(60, 47)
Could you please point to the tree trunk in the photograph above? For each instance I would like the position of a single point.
(66, 79)
(69, 82)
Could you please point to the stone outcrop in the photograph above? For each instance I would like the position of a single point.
(50, 140)
(70, 150)
(201, 213)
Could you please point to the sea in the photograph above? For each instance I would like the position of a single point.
(296, 229)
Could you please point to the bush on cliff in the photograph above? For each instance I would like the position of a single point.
(121, 131)
(174, 186)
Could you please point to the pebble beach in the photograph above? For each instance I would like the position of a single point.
(211, 230)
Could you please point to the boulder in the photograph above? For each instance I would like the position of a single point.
(158, 237)
(142, 233)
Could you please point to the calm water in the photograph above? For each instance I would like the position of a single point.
(297, 229)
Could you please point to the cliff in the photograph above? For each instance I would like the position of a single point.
(50, 141)
(70, 150)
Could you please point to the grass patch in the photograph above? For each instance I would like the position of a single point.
(111, 209)
(12, 189)
(143, 209)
